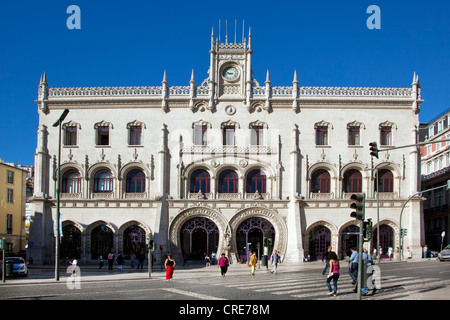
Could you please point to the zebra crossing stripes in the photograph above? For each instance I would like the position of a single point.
(314, 286)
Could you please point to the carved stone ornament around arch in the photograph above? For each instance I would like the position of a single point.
(136, 123)
(197, 211)
(333, 233)
(261, 211)
(103, 123)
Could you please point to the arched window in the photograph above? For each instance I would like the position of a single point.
(200, 181)
(256, 181)
(71, 181)
(352, 181)
(320, 181)
(103, 181)
(385, 181)
(228, 181)
(135, 181)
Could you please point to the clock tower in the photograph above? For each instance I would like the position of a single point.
(230, 72)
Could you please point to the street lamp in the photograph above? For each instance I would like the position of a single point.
(58, 192)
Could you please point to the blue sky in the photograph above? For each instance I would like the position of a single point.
(128, 43)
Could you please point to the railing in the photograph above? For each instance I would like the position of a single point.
(276, 91)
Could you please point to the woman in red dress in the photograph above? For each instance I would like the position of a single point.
(170, 266)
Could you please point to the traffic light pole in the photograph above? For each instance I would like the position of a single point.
(413, 145)
(360, 260)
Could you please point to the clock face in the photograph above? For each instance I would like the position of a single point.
(230, 73)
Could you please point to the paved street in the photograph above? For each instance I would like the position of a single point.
(406, 280)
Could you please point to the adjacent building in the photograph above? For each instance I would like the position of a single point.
(12, 207)
(435, 168)
(226, 163)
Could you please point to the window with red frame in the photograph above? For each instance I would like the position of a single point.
(228, 181)
(135, 182)
(200, 181)
(320, 181)
(353, 181)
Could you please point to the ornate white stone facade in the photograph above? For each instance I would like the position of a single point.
(228, 123)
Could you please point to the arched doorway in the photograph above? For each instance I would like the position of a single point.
(133, 240)
(71, 242)
(251, 235)
(101, 241)
(386, 239)
(319, 241)
(199, 236)
(349, 240)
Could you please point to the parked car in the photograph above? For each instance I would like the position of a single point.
(432, 254)
(445, 254)
(18, 265)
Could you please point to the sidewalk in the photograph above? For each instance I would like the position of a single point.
(45, 274)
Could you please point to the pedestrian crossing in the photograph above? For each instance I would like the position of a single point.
(302, 285)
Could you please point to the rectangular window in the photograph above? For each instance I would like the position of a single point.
(256, 136)
(103, 136)
(200, 132)
(353, 136)
(229, 136)
(10, 177)
(71, 136)
(386, 136)
(135, 135)
(9, 223)
(322, 136)
(9, 195)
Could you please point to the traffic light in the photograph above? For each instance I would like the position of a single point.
(373, 149)
(265, 242)
(358, 205)
(367, 230)
(160, 247)
(150, 244)
(403, 232)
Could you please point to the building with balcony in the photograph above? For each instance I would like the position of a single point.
(224, 164)
(435, 168)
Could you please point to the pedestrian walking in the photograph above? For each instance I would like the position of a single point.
(275, 260)
(353, 269)
(132, 260)
(110, 260)
(141, 259)
(119, 260)
(223, 263)
(185, 259)
(326, 260)
(253, 262)
(408, 253)
(74, 267)
(334, 274)
(100, 262)
(207, 260)
(169, 264)
(425, 251)
(390, 253)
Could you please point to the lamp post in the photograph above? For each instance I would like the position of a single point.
(58, 192)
